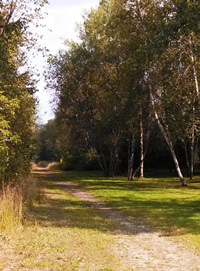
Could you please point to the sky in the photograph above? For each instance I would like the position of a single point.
(63, 15)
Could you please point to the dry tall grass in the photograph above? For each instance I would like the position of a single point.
(15, 201)
(11, 208)
(33, 191)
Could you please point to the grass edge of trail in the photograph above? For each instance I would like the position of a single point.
(160, 202)
(63, 233)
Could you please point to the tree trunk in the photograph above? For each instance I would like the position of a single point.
(116, 161)
(113, 162)
(196, 96)
(187, 158)
(141, 145)
(192, 159)
(193, 59)
(137, 169)
(192, 144)
(168, 141)
(103, 164)
(131, 148)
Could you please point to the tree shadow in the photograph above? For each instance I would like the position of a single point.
(74, 213)
(168, 213)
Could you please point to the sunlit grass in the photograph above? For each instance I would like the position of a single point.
(160, 202)
(65, 233)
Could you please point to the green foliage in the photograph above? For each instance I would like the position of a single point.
(79, 161)
(137, 64)
(17, 105)
(46, 137)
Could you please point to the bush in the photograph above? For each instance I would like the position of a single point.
(67, 165)
(81, 161)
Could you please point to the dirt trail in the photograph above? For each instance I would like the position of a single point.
(135, 246)
(141, 248)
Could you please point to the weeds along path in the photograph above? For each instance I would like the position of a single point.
(137, 246)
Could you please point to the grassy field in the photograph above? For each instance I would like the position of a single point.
(160, 202)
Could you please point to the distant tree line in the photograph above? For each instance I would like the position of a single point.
(130, 88)
(46, 137)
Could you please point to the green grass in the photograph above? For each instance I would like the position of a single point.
(159, 202)
(63, 233)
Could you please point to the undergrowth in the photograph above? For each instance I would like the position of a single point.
(11, 208)
(16, 200)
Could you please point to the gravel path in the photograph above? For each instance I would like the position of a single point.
(141, 248)
(136, 246)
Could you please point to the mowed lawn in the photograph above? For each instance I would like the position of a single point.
(159, 202)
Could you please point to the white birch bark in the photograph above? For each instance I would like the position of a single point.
(193, 59)
(141, 146)
(168, 141)
(131, 156)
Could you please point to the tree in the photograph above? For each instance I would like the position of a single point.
(47, 136)
(136, 64)
(81, 92)
(182, 76)
(17, 106)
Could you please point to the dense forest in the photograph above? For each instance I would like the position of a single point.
(127, 94)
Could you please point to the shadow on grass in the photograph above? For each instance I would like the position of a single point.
(67, 211)
(98, 181)
(160, 202)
